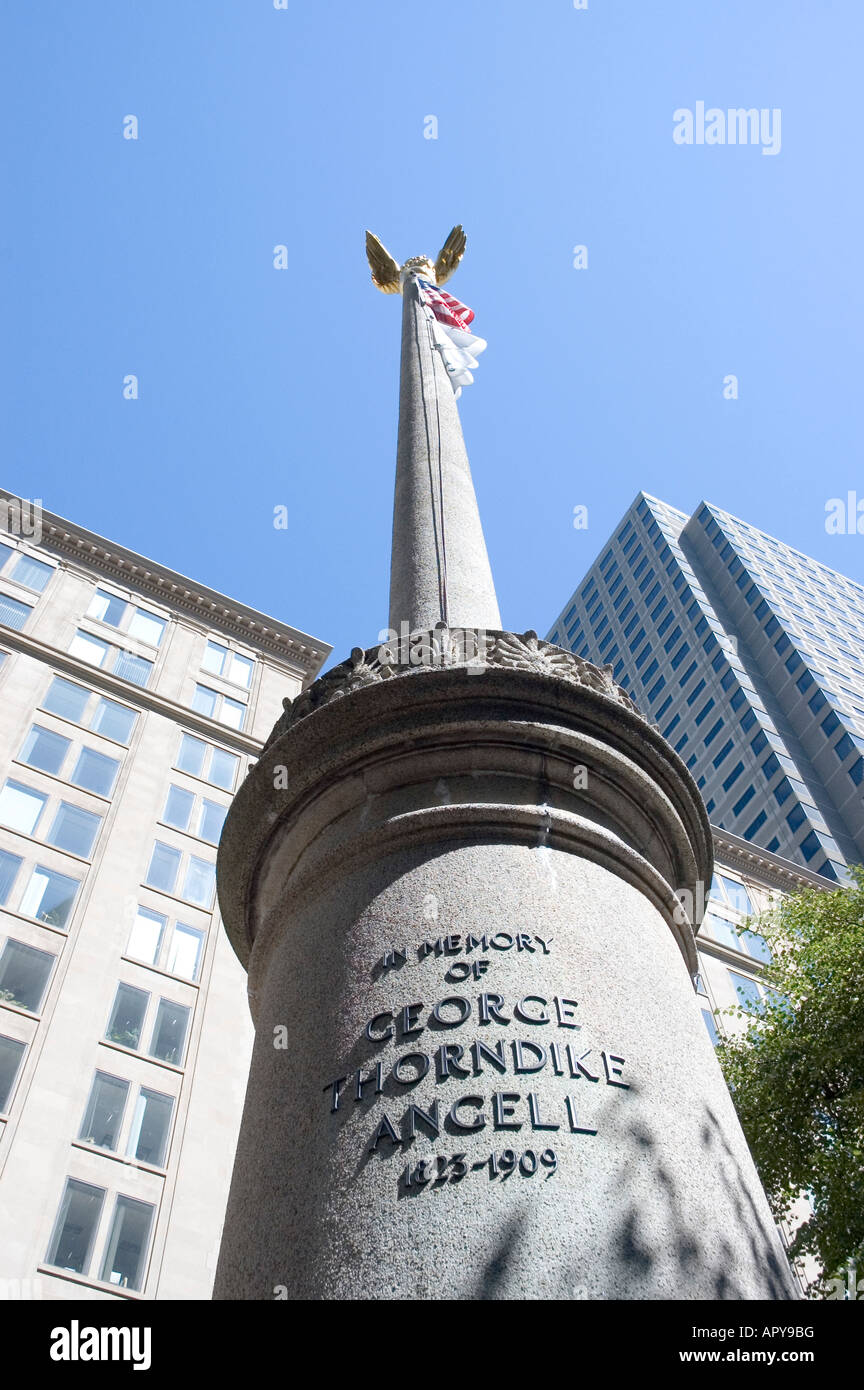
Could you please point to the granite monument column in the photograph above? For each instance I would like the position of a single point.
(463, 878)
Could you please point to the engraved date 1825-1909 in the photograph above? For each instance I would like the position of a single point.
(453, 1168)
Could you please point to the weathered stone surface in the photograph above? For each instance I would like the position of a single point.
(513, 801)
(431, 457)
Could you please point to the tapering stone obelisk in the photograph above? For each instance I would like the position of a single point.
(458, 883)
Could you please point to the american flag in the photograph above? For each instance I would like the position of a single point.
(449, 319)
(445, 308)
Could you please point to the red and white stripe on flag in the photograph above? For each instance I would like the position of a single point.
(445, 308)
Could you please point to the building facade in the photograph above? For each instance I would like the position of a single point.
(748, 655)
(134, 702)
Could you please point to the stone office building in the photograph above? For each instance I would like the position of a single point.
(133, 702)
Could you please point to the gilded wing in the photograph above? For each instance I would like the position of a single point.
(385, 271)
(450, 255)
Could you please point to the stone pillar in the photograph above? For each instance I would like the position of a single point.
(431, 452)
(480, 1070)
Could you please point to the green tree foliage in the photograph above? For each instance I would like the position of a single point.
(797, 1073)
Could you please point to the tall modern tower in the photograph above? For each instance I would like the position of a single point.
(749, 656)
(456, 878)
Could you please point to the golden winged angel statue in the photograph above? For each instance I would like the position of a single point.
(387, 274)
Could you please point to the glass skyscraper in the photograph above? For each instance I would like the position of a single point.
(749, 656)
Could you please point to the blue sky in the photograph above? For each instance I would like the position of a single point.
(303, 126)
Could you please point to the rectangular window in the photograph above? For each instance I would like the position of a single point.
(147, 627)
(113, 720)
(95, 772)
(151, 1122)
(107, 608)
(127, 1016)
(221, 661)
(223, 768)
(145, 939)
(21, 807)
(74, 829)
(126, 1250)
(11, 1052)
(755, 826)
(724, 752)
(44, 749)
(169, 1032)
(178, 807)
(164, 865)
(24, 973)
(9, 866)
(713, 732)
(743, 800)
(184, 957)
(13, 613)
(747, 991)
(135, 669)
(191, 756)
(233, 713)
(33, 574)
(103, 1114)
(704, 711)
(204, 701)
(200, 882)
(210, 820)
(72, 1242)
(66, 699)
(89, 648)
(49, 897)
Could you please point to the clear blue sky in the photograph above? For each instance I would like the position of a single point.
(304, 126)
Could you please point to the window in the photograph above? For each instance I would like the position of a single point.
(710, 1025)
(221, 707)
(9, 866)
(796, 816)
(211, 818)
(142, 624)
(221, 661)
(730, 891)
(151, 1122)
(184, 956)
(147, 943)
(127, 1016)
(748, 991)
(66, 699)
(164, 865)
(24, 973)
(127, 1243)
(203, 760)
(13, 613)
(103, 1114)
(113, 720)
(145, 938)
(200, 882)
(49, 897)
(169, 1032)
(127, 665)
(31, 573)
(11, 1052)
(95, 772)
(21, 807)
(178, 807)
(44, 749)
(75, 1229)
(74, 829)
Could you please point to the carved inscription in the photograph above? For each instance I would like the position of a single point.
(487, 1083)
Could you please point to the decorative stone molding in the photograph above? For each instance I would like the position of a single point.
(441, 647)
